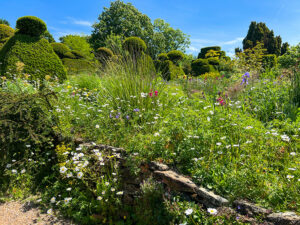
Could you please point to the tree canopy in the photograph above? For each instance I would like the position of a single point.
(3, 21)
(124, 20)
(259, 32)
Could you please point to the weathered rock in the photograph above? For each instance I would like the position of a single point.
(250, 209)
(286, 218)
(175, 181)
(157, 166)
(209, 198)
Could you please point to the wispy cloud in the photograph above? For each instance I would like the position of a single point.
(232, 42)
(78, 22)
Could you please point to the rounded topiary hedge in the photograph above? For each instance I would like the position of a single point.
(201, 66)
(6, 32)
(60, 49)
(69, 55)
(77, 54)
(103, 54)
(206, 49)
(75, 66)
(37, 55)
(214, 61)
(134, 45)
(162, 56)
(31, 25)
(175, 56)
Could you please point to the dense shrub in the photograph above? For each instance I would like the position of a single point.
(213, 61)
(103, 54)
(37, 55)
(175, 56)
(162, 56)
(134, 45)
(77, 54)
(6, 32)
(269, 61)
(60, 49)
(31, 25)
(168, 69)
(206, 49)
(75, 66)
(201, 66)
(69, 55)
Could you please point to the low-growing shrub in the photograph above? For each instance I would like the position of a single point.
(31, 25)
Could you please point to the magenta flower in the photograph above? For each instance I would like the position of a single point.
(156, 93)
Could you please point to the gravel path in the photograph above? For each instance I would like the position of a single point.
(17, 213)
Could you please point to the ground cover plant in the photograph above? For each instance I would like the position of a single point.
(233, 128)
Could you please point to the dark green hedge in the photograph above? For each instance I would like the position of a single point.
(6, 32)
(37, 55)
(134, 45)
(77, 54)
(31, 25)
(206, 49)
(201, 66)
(69, 55)
(162, 56)
(168, 69)
(175, 56)
(75, 66)
(61, 49)
(269, 61)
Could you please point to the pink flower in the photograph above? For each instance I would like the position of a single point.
(150, 94)
(156, 93)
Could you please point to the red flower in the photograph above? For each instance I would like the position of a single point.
(150, 94)
(156, 93)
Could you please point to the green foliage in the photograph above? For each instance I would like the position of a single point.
(76, 66)
(205, 50)
(290, 58)
(5, 32)
(134, 45)
(166, 38)
(77, 54)
(214, 61)
(3, 21)
(168, 70)
(201, 66)
(121, 19)
(37, 55)
(48, 37)
(175, 56)
(69, 55)
(269, 61)
(114, 42)
(60, 49)
(103, 54)
(259, 32)
(31, 25)
(78, 43)
(162, 56)
(284, 48)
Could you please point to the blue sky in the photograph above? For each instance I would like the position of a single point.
(218, 22)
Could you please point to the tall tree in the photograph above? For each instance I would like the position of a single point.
(259, 32)
(3, 21)
(165, 38)
(121, 19)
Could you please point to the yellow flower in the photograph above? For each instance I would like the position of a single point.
(3, 78)
(69, 86)
(47, 77)
(26, 76)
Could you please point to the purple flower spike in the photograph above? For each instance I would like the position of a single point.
(136, 110)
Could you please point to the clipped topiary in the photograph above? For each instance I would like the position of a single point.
(69, 55)
(175, 56)
(214, 61)
(201, 66)
(77, 54)
(269, 61)
(60, 49)
(6, 32)
(162, 56)
(168, 69)
(75, 66)
(31, 25)
(35, 53)
(134, 45)
(206, 49)
(103, 54)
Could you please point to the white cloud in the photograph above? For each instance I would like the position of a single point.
(193, 49)
(232, 42)
(83, 23)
